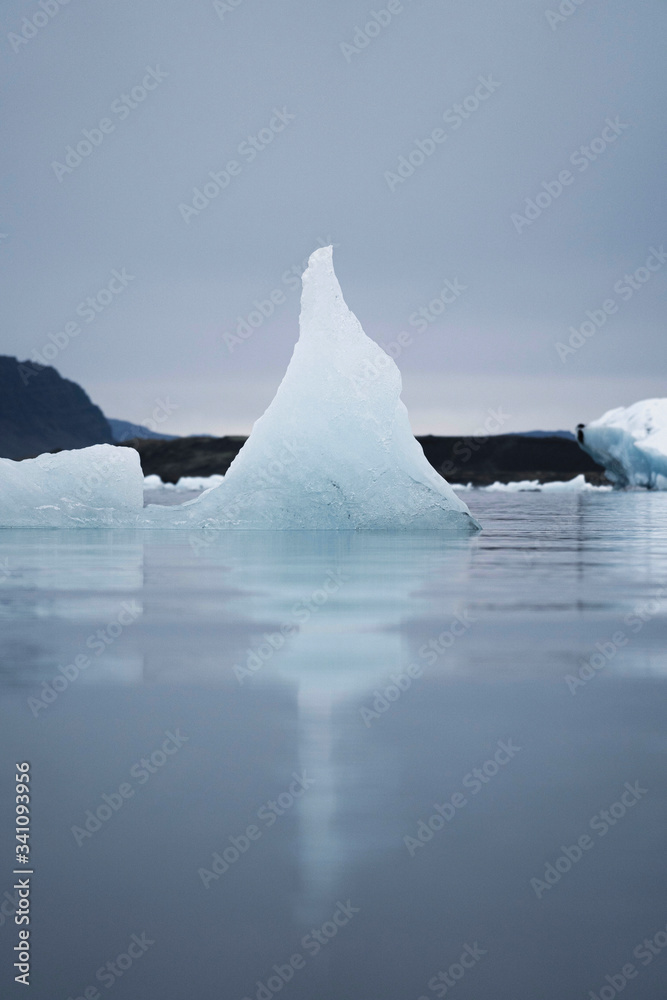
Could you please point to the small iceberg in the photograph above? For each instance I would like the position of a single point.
(90, 487)
(631, 443)
(334, 450)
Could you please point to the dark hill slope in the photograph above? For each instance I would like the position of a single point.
(41, 411)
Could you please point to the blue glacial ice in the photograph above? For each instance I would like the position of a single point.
(631, 443)
(89, 487)
(334, 450)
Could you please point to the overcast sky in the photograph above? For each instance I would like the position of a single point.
(333, 110)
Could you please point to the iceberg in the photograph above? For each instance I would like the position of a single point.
(334, 449)
(631, 443)
(88, 487)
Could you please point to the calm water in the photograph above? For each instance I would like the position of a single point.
(324, 692)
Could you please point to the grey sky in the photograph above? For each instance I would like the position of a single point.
(550, 88)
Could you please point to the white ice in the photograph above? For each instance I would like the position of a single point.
(631, 443)
(333, 450)
(576, 485)
(185, 484)
(89, 487)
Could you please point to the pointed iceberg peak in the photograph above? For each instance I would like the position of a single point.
(335, 448)
(319, 281)
(320, 258)
(323, 309)
(320, 273)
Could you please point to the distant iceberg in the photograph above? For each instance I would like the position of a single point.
(576, 485)
(631, 443)
(333, 450)
(186, 484)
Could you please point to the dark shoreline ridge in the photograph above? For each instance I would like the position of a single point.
(480, 461)
(40, 412)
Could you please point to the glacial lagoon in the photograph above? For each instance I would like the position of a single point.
(343, 764)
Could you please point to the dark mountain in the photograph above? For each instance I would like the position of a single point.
(123, 430)
(41, 411)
